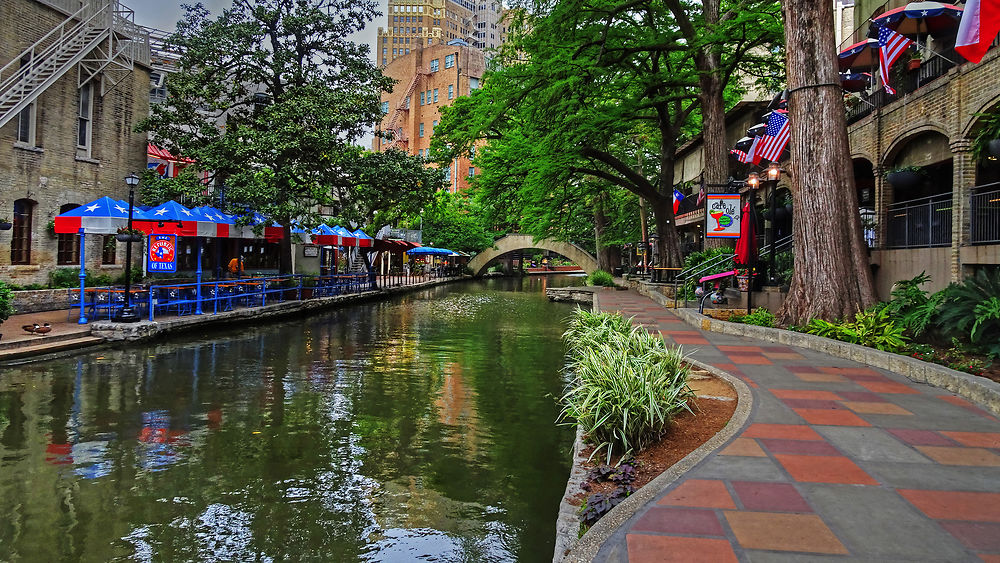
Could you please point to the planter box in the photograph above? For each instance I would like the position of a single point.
(123, 237)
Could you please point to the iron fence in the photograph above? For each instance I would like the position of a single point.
(920, 223)
(984, 223)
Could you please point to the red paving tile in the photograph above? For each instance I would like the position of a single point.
(690, 340)
(967, 405)
(750, 359)
(699, 493)
(805, 447)
(955, 505)
(686, 521)
(976, 439)
(812, 404)
(824, 469)
(863, 396)
(804, 394)
(740, 348)
(981, 536)
(831, 417)
(847, 372)
(802, 369)
(787, 431)
(770, 497)
(672, 549)
(920, 437)
(888, 387)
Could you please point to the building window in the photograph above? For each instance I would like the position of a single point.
(385, 107)
(451, 91)
(434, 125)
(472, 171)
(421, 98)
(449, 61)
(435, 95)
(20, 241)
(447, 174)
(473, 83)
(421, 129)
(472, 152)
(83, 129)
(435, 63)
(430, 41)
(109, 250)
(26, 119)
(67, 247)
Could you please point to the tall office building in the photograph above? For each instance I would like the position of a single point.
(436, 22)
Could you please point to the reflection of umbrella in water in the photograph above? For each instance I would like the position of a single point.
(746, 246)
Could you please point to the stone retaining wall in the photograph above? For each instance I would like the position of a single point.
(36, 301)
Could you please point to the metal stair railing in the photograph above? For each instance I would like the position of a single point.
(696, 272)
(404, 105)
(49, 58)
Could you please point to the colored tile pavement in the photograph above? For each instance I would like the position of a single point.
(837, 461)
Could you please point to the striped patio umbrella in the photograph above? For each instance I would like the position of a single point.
(347, 238)
(102, 216)
(364, 241)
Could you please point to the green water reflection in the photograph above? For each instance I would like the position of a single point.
(413, 429)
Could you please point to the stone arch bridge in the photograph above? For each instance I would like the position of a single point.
(514, 242)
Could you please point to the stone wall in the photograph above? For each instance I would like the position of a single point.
(51, 172)
(43, 300)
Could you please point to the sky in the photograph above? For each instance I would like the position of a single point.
(163, 14)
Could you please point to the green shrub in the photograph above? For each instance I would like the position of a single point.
(911, 306)
(872, 328)
(760, 317)
(784, 263)
(601, 278)
(971, 310)
(627, 384)
(65, 277)
(6, 302)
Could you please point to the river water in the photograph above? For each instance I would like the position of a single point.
(420, 428)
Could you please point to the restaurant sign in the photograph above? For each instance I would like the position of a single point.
(723, 211)
(162, 253)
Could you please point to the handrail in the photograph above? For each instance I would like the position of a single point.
(695, 272)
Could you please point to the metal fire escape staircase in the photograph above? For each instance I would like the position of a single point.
(399, 136)
(100, 39)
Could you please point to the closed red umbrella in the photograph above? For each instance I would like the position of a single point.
(746, 246)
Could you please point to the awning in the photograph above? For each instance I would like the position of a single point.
(429, 251)
(162, 154)
(102, 216)
(394, 246)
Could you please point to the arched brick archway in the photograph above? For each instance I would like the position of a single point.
(513, 242)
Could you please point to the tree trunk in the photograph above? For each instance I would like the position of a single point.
(668, 253)
(715, 151)
(600, 225)
(832, 276)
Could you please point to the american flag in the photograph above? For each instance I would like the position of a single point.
(890, 46)
(774, 140)
(740, 156)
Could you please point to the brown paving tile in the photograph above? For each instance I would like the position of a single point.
(862, 396)
(746, 447)
(876, 408)
(961, 456)
(955, 505)
(740, 348)
(700, 493)
(920, 437)
(824, 469)
(804, 447)
(783, 356)
(967, 405)
(976, 439)
(688, 521)
(888, 387)
(671, 549)
(787, 431)
(819, 377)
(749, 359)
(981, 536)
(831, 417)
(689, 340)
(784, 532)
(731, 368)
(987, 558)
(812, 404)
(849, 371)
(770, 497)
(802, 369)
(804, 394)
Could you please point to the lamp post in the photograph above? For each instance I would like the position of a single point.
(127, 313)
(773, 172)
(654, 254)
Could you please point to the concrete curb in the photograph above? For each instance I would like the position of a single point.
(586, 548)
(980, 390)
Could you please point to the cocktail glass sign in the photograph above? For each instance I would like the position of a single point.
(723, 212)
(162, 253)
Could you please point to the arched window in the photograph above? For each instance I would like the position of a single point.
(20, 242)
(68, 249)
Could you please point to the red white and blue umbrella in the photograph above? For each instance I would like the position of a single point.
(347, 238)
(855, 82)
(102, 216)
(219, 223)
(364, 241)
(859, 55)
(920, 18)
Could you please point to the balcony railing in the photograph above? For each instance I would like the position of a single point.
(985, 214)
(920, 223)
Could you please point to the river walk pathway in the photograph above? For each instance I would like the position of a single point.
(837, 460)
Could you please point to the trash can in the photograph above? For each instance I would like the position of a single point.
(618, 272)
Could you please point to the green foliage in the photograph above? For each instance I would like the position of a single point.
(697, 259)
(911, 306)
(6, 302)
(627, 384)
(958, 357)
(759, 317)
(784, 263)
(872, 328)
(454, 222)
(987, 130)
(971, 310)
(601, 278)
(65, 277)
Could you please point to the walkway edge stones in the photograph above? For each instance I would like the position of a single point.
(980, 390)
(586, 548)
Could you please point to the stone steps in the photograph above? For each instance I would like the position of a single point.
(50, 338)
(48, 346)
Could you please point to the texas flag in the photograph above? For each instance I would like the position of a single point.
(980, 25)
(678, 196)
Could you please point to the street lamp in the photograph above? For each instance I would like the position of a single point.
(773, 172)
(127, 313)
(654, 254)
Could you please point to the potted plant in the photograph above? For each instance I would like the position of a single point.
(50, 228)
(905, 177)
(914, 62)
(987, 140)
(743, 276)
(308, 286)
(129, 235)
(6, 303)
(5, 224)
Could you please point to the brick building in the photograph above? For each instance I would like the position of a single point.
(428, 79)
(73, 83)
(425, 23)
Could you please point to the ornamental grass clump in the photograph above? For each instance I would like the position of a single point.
(627, 384)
